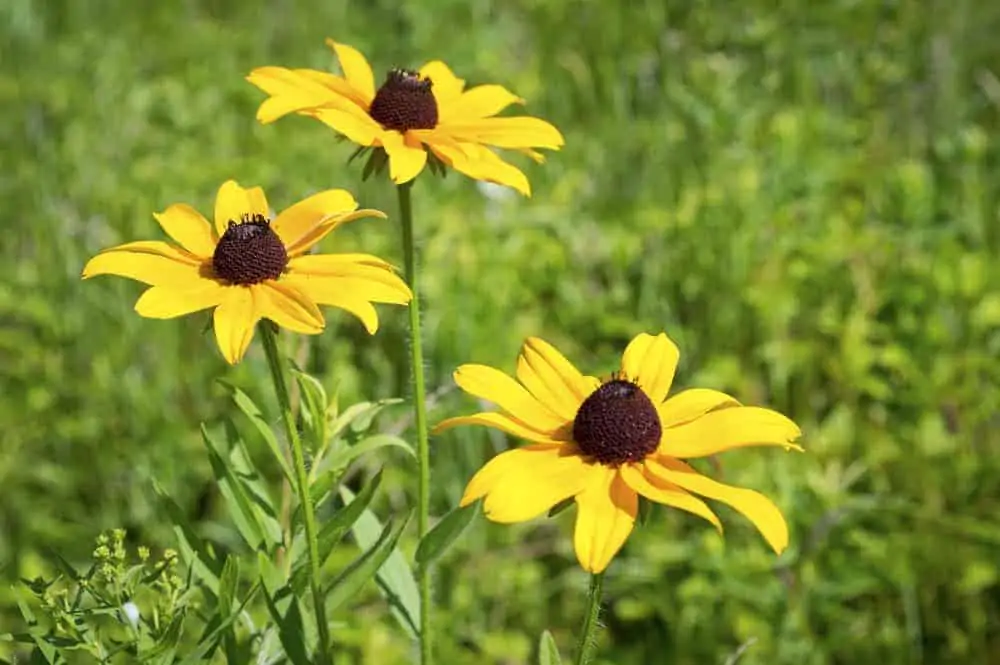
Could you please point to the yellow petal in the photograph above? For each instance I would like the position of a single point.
(756, 507)
(288, 307)
(606, 512)
(294, 223)
(377, 283)
(481, 163)
(363, 131)
(310, 239)
(167, 302)
(504, 423)
(189, 228)
(327, 292)
(407, 158)
(651, 362)
(517, 132)
(234, 321)
(655, 489)
(523, 483)
(233, 203)
(494, 386)
(551, 378)
(356, 69)
(149, 261)
(733, 427)
(299, 90)
(478, 102)
(691, 404)
(445, 85)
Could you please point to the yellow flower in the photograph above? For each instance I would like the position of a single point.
(606, 443)
(411, 112)
(249, 267)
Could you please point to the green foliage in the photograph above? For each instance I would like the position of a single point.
(804, 195)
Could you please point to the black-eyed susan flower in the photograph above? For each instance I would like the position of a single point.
(410, 113)
(605, 443)
(249, 267)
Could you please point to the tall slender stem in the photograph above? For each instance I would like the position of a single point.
(277, 368)
(588, 639)
(420, 414)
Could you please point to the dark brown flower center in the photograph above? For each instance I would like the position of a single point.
(249, 252)
(405, 101)
(617, 423)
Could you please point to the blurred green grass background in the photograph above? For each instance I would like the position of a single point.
(804, 195)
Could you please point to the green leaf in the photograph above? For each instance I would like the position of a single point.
(548, 652)
(444, 534)
(228, 582)
(241, 510)
(561, 506)
(203, 564)
(314, 415)
(339, 460)
(210, 640)
(250, 410)
(290, 629)
(359, 416)
(364, 568)
(334, 529)
(395, 577)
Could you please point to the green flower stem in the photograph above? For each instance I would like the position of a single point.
(276, 365)
(420, 414)
(588, 638)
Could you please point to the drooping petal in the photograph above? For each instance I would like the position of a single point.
(523, 483)
(606, 512)
(377, 283)
(327, 292)
(407, 157)
(516, 132)
(551, 377)
(691, 404)
(234, 321)
(756, 507)
(494, 386)
(294, 223)
(481, 163)
(651, 362)
(149, 261)
(189, 229)
(234, 202)
(656, 489)
(725, 429)
(356, 70)
(507, 424)
(445, 85)
(313, 237)
(167, 302)
(478, 102)
(288, 307)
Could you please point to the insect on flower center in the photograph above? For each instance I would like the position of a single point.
(404, 102)
(617, 423)
(249, 252)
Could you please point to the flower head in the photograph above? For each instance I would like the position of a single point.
(250, 267)
(411, 113)
(605, 443)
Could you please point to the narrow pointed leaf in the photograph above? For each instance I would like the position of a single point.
(548, 652)
(256, 418)
(444, 534)
(395, 577)
(240, 509)
(290, 630)
(364, 568)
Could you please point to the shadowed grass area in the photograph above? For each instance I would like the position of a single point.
(804, 197)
